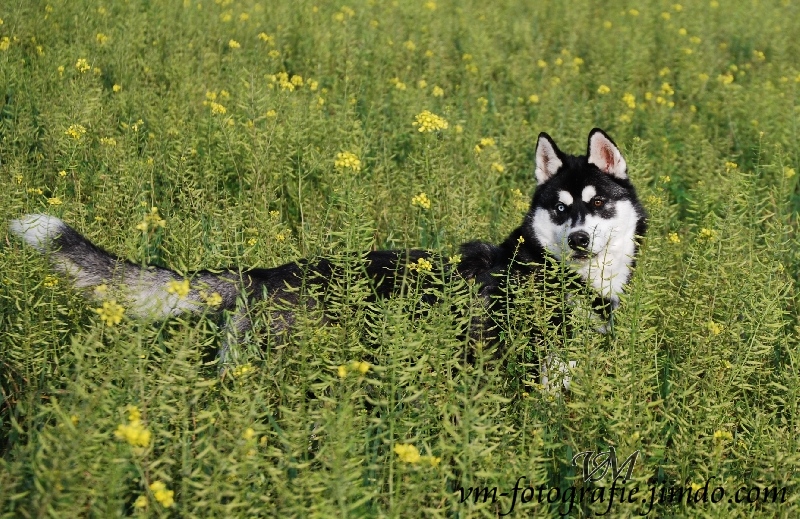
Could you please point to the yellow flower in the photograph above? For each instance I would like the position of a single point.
(234, 44)
(729, 166)
(422, 265)
(673, 237)
(162, 495)
(666, 16)
(499, 168)
(271, 113)
(54, 201)
(667, 89)
(429, 122)
(76, 131)
(421, 200)
(677, 8)
(722, 436)
(273, 53)
(715, 328)
(630, 100)
(521, 240)
(603, 90)
(607, 24)
(455, 259)
(266, 38)
(108, 141)
(341, 371)
(541, 63)
(110, 312)
(136, 434)
(50, 281)
(213, 299)
(633, 12)
(788, 172)
(217, 109)
(134, 415)
(141, 502)
(243, 370)
(116, 88)
(313, 85)
(438, 91)
(280, 237)
(179, 288)
(407, 453)
(410, 46)
(347, 160)
(708, 234)
(533, 99)
(249, 433)
(82, 65)
(360, 366)
(422, 84)
(297, 80)
(101, 38)
(682, 31)
(430, 6)
(151, 220)
(725, 79)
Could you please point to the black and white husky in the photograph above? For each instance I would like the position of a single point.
(584, 212)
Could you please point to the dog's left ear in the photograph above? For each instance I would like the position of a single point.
(604, 154)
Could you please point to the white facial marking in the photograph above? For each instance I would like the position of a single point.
(612, 246)
(565, 197)
(588, 193)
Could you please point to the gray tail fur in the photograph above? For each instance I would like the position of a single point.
(151, 292)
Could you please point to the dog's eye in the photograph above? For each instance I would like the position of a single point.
(597, 203)
(561, 208)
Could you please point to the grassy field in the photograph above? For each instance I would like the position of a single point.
(262, 132)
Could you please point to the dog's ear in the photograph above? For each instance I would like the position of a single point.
(604, 154)
(548, 158)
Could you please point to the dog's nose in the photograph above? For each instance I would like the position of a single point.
(578, 240)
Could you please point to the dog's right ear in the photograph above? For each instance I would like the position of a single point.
(547, 158)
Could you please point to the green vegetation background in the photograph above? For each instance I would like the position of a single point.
(229, 117)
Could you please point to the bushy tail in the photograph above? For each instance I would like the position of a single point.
(151, 292)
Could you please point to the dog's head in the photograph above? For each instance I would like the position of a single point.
(585, 211)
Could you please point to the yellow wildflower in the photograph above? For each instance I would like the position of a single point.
(360, 366)
(715, 328)
(108, 141)
(499, 168)
(603, 90)
(667, 89)
(410, 46)
(76, 131)
(82, 65)
(438, 91)
(607, 24)
(347, 160)
(722, 436)
(729, 166)
(341, 371)
(101, 38)
(266, 38)
(674, 238)
(429, 122)
(422, 265)
(273, 53)
(249, 433)
(421, 200)
(271, 113)
(217, 109)
(213, 299)
(422, 84)
(430, 6)
(541, 63)
(141, 502)
(788, 172)
(634, 12)
(50, 281)
(151, 220)
(630, 100)
(243, 370)
(407, 453)
(162, 495)
(116, 88)
(297, 80)
(179, 288)
(110, 312)
(455, 259)
(682, 31)
(708, 234)
(533, 99)
(136, 434)
(54, 201)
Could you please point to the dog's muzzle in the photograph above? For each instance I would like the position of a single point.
(579, 241)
